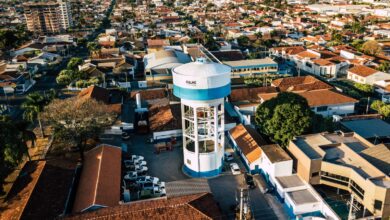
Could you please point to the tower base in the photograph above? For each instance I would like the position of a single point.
(203, 174)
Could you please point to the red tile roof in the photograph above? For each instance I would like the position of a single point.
(363, 71)
(190, 207)
(320, 97)
(250, 94)
(249, 141)
(100, 178)
(95, 92)
(300, 83)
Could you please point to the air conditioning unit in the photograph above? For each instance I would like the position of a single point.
(142, 84)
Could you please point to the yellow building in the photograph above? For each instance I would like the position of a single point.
(346, 161)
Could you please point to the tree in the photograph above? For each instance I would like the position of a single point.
(365, 88)
(92, 47)
(371, 47)
(33, 106)
(65, 77)
(243, 41)
(11, 151)
(78, 120)
(357, 44)
(283, 117)
(26, 135)
(377, 105)
(384, 67)
(74, 62)
(357, 28)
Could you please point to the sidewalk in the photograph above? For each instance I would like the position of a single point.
(272, 201)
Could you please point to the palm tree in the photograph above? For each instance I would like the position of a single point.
(33, 106)
(26, 135)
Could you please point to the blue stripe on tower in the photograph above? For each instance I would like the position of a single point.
(201, 94)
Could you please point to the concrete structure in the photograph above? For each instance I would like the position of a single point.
(159, 64)
(242, 68)
(48, 17)
(202, 87)
(276, 166)
(257, 154)
(349, 162)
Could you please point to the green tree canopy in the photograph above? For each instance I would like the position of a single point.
(365, 88)
(33, 106)
(283, 117)
(74, 62)
(384, 67)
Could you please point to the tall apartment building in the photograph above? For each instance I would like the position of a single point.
(48, 17)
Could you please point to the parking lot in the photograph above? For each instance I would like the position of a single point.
(167, 166)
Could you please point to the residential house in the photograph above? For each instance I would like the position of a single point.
(366, 75)
(154, 45)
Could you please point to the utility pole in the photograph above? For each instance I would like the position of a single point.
(241, 203)
(351, 207)
(368, 104)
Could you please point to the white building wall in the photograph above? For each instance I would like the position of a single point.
(343, 109)
(283, 168)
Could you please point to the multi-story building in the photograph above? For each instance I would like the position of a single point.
(349, 162)
(48, 17)
(241, 68)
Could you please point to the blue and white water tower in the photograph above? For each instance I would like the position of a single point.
(202, 87)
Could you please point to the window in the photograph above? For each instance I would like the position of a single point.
(334, 178)
(309, 65)
(357, 189)
(315, 174)
(378, 204)
(189, 161)
(322, 108)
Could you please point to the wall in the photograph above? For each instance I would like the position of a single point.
(303, 162)
(343, 109)
(160, 135)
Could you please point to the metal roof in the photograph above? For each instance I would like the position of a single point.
(368, 128)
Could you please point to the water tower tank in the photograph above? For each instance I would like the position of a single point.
(202, 87)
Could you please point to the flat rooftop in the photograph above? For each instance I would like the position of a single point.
(311, 144)
(345, 156)
(275, 153)
(290, 181)
(368, 128)
(301, 197)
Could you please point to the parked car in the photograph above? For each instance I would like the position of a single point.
(140, 163)
(136, 168)
(148, 185)
(228, 156)
(161, 185)
(249, 181)
(133, 159)
(147, 179)
(131, 175)
(235, 169)
(149, 193)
